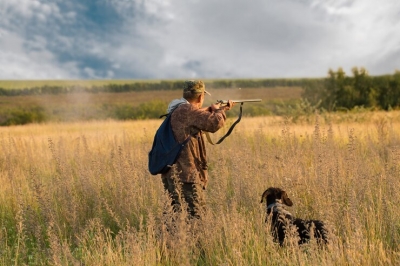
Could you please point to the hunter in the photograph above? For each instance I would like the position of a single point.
(189, 118)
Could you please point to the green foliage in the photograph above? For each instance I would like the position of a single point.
(35, 114)
(124, 112)
(250, 109)
(147, 110)
(315, 91)
(387, 91)
(129, 86)
(342, 92)
(302, 109)
(363, 87)
(152, 109)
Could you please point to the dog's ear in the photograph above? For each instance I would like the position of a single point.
(265, 195)
(285, 199)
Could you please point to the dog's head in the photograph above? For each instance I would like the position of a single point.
(273, 194)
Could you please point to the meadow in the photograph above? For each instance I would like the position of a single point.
(89, 106)
(79, 193)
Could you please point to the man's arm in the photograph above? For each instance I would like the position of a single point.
(225, 106)
(211, 118)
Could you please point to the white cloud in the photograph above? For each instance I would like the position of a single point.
(18, 63)
(366, 33)
(228, 39)
(289, 38)
(28, 9)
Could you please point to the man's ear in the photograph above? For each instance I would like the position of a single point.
(200, 97)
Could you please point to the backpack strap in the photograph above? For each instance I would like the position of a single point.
(170, 113)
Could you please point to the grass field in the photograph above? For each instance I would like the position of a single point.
(137, 98)
(80, 194)
(84, 106)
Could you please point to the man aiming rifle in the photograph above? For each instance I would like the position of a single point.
(189, 121)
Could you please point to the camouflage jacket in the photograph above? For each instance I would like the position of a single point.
(189, 120)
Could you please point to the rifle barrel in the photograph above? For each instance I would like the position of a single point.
(247, 101)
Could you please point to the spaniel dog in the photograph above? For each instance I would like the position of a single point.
(282, 220)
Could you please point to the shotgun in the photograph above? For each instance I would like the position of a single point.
(225, 102)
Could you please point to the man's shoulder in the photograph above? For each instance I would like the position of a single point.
(181, 111)
(184, 106)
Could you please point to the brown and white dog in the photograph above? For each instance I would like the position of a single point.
(282, 220)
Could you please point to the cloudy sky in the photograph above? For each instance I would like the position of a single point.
(169, 39)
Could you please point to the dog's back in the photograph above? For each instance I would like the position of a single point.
(279, 222)
(281, 219)
(304, 227)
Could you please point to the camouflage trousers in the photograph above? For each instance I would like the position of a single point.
(191, 193)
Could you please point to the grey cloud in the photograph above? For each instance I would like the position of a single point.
(233, 38)
(17, 63)
(196, 39)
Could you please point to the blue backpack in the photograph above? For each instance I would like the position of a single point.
(165, 150)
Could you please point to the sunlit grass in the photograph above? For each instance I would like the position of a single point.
(80, 193)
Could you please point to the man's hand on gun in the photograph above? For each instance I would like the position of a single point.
(228, 104)
(225, 107)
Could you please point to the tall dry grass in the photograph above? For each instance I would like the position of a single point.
(80, 194)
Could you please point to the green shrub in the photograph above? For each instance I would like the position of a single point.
(35, 114)
(250, 109)
(122, 112)
(152, 109)
(147, 110)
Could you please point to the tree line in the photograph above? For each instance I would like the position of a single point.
(137, 86)
(339, 91)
